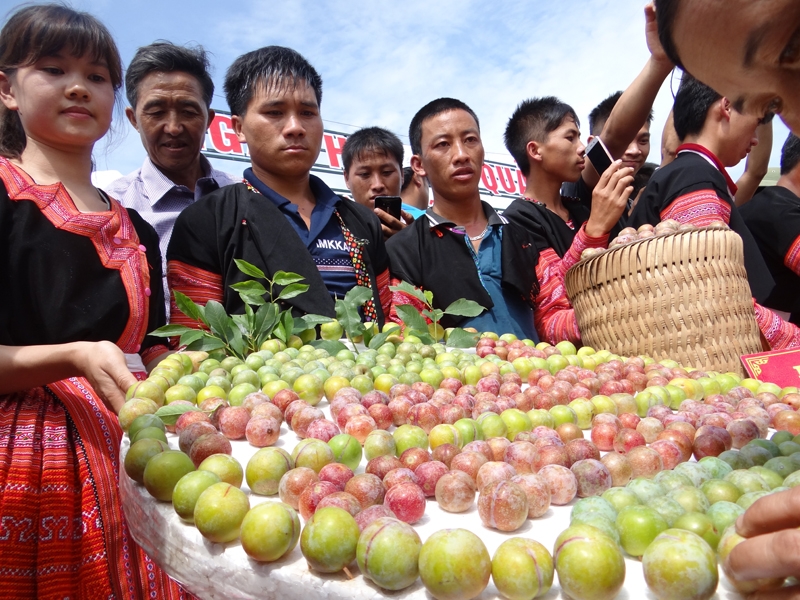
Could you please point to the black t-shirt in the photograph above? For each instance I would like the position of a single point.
(773, 217)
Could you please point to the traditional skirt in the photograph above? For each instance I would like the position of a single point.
(62, 530)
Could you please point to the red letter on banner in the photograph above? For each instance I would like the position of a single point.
(488, 179)
(334, 145)
(223, 137)
(506, 179)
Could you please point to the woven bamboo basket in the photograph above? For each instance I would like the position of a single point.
(683, 296)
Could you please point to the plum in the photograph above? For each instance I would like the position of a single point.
(454, 564)
(503, 505)
(270, 531)
(522, 569)
(589, 564)
(329, 540)
(219, 512)
(388, 553)
(293, 484)
(680, 565)
(265, 470)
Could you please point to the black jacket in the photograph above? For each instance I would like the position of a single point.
(428, 255)
(235, 222)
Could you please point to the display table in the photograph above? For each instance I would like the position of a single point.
(224, 571)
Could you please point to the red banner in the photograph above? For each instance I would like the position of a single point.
(781, 367)
(499, 180)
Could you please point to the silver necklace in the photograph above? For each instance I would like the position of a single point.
(480, 236)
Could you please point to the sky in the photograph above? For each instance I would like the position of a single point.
(381, 60)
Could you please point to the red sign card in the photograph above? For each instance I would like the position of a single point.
(781, 367)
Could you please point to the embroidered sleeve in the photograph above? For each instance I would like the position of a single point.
(792, 258)
(699, 208)
(553, 316)
(199, 285)
(384, 293)
(779, 334)
(153, 352)
(398, 298)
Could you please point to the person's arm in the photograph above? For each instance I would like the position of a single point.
(699, 208)
(634, 106)
(398, 298)
(779, 334)
(757, 165)
(773, 545)
(101, 363)
(553, 316)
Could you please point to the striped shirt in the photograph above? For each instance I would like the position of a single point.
(159, 201)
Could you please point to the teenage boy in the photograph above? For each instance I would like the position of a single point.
(282, 218)
(773, 217)
(695, 187)
(462, 248)
(544, 138)
(373, 166)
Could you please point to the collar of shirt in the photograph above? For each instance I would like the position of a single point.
(157, 185)
(326, 201)
(712, 158)
(435, 220)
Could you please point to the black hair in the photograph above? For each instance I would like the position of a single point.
(601, 112)
(166, 57)
(534, 120)
(642, 177)
(430, 110)
(790, 154)
(43, 30)
(274, 67)
(408, 177)
(666, 11)
(692, 103)
(371, 139)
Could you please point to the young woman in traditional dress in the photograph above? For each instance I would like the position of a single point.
(80, 278)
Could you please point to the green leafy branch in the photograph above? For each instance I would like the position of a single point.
(416, 324)
(242, 334)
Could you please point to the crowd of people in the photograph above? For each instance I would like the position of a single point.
(90, 272)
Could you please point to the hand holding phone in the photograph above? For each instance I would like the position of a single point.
(599, 156)
(389, 204)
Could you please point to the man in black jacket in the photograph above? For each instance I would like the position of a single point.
(281, 217)
(462, 248)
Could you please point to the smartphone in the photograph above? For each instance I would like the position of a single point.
(598, 154)
(390, 204)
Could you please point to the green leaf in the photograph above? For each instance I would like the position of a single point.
(236, 342)
(251, 287)
(330, 346)
(358, 295)
(171, 331)
(207, 343)
(311, 321)
(349, 319)
(411, 317)
(287, 320)
(218, 319)
(191, 336)
(411, 291)
(429, 297)
(252, 299)
(380, 339)
(248, 269)
(284, 278)
(266, 317)
(459, 338)
(169, 414)
(434, 315)
(292, 290)
(425, 338)
(369, 333)
(187, 306)
(242, 323)
(464, 308)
